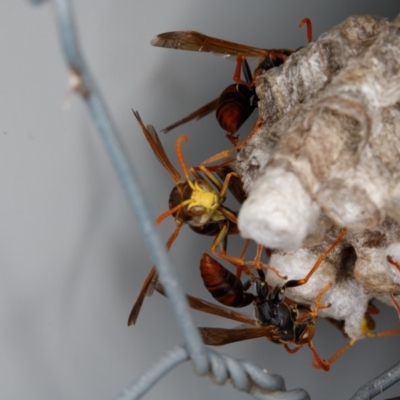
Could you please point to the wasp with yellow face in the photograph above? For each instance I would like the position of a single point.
(197, 202)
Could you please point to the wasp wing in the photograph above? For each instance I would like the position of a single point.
(200, 113)
(196, 41)
(158, 149)
(146, 290)
(221, 336)
(214, 309)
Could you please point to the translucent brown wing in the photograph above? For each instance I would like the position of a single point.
(196, 41)
(200, 113)
(146, 290)
(214, 309)
(150, 282)
(221, 336)
(158, 149)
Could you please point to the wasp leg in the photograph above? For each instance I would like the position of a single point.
(299, 282)
(292, 350)
(226, 153)
(307, 21)
(396, 304)
(258, 264)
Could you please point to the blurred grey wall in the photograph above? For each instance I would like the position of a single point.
(72, 257)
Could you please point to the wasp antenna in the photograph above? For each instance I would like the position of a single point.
(167, 213)
(171, 211)
(179, 155)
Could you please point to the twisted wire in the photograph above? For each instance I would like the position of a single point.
(243, 376)
(114, 148)
(377, 385)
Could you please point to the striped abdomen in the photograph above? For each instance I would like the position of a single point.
(224, 286)
(235, 105)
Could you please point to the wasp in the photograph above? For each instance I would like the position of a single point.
(275, 318)
(237, 102)
(279, 319)
(196, 201)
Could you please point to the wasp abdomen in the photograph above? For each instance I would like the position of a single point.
(223, 285)
(235, 105)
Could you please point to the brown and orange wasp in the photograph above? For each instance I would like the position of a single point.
(236, 103)
(279, 319)
(276, 318)
(197, 202)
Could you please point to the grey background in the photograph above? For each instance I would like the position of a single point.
(71, 254)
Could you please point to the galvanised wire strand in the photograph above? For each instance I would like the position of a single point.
(145, 382)
(223, 368)
(379, 384)
(201, 359)
(112, 143)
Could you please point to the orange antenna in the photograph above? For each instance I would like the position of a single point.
(309, 28)
(169, 212)
(179, 154)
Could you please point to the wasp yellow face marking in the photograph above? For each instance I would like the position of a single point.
(204, 203)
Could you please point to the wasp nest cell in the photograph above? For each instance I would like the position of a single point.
(327, 157)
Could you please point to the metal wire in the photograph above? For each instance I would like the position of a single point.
(114, 148)
(379, 384)
(243, 375)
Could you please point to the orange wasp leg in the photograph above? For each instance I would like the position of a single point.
(225, 185)
(239, 263)
(258, 264)
(309, 28)
(292, 350)
(226, 153)
(391, 261)
(324, 364)
(367, 326)
(238, 72)
(241, 256)
(394, 301)
(241, 58)
(206, 171)
(317, 306)
(318, 362)
(298, 282)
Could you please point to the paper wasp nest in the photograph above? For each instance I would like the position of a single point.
(328, 156)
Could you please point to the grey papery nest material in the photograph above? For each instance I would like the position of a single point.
(328, 156)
